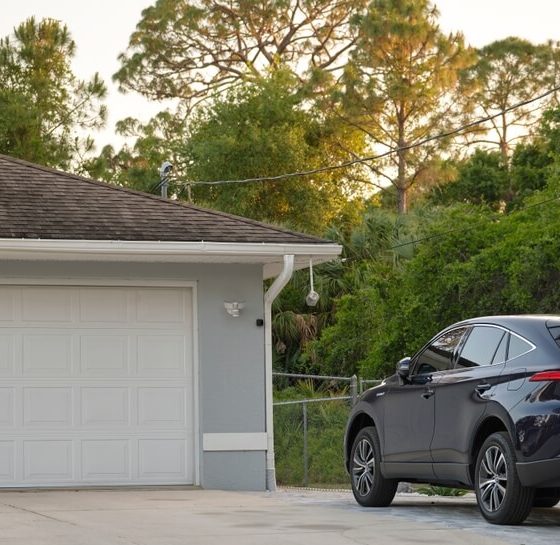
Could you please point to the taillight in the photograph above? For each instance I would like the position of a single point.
(545, 376)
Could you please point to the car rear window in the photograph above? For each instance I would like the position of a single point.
(555, 332)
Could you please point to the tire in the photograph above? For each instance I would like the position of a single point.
(370, 487)
(501, 497)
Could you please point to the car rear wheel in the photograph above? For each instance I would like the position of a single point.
(369, 486)
(501, 497)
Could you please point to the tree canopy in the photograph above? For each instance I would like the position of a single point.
(43, 103)
(263, 130)
(194, 49)
(401, 87)
(508, 72)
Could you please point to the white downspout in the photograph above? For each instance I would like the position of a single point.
(281, 280)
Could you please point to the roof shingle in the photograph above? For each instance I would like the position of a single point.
(41, 203)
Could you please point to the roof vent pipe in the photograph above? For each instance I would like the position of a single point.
(281, 280)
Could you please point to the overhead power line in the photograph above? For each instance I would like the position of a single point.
(391, 151)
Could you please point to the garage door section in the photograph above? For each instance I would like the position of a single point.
(96, 386)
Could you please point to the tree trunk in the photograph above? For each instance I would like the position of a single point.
(504, 146)
(402, 200)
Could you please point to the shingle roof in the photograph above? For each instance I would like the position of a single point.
(41, 203)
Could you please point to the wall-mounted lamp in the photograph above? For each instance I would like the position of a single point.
(233, 308)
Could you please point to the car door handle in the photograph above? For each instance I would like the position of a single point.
(481, 388)
(427, 394)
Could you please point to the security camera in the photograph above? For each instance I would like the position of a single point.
(312, 298)
(165, 169)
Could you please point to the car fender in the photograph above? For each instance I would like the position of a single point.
(369, 407)
(494, 410)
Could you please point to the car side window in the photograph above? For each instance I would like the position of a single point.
(480, 346)
(438, 356)
(501, 354)
(518, 347)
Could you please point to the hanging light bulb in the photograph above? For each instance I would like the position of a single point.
(312, 297)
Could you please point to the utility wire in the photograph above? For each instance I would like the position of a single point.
(390, 151)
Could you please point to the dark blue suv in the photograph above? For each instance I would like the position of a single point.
(477, 407)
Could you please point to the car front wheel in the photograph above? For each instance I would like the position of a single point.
(369, 486)
(501, 497)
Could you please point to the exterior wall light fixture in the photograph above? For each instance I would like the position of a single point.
(233, 308)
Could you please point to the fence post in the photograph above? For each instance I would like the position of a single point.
(305, 454)
(354, 389)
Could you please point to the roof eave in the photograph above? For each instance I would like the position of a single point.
(267, 254)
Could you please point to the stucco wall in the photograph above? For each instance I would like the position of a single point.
(231, 352)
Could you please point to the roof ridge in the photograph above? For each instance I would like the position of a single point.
(160, 200)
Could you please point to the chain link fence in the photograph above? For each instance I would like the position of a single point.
(310, 415)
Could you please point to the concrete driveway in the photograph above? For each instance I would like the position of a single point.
(200, 517)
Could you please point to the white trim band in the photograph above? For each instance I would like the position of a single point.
(213, 442)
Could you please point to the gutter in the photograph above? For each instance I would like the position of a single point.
(281, 280)
(64, 249)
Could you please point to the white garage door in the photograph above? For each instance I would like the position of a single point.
(96, 386)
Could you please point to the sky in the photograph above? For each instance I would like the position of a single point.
(101, 30)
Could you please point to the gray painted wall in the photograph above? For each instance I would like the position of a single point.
(231, 351)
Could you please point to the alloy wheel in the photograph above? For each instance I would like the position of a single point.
(493, 479)
(363, 467)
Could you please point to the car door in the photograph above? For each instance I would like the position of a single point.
(461, 396)
(409, 409)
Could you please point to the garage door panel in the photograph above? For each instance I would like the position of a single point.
(104, 355)
(47, 354)
(47, 305)
(105, 407)
(103, 305)
(7, 304)
(158, 306)
(47, 407)
(97, 386)
(161, 355)
(7, 459)
(7, 355)
(161, 407)
(105, 459)
(7, 410)
(48, 460)
(161, 459)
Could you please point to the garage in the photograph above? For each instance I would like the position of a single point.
(135, 336)
(97, 385)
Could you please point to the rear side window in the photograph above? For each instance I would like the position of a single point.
(501, 354)
(555, 332)
(518, 347)
(481, 346)
(439, 355)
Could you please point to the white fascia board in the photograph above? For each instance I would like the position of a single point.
(47, 249)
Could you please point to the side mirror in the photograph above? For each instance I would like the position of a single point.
(403, 368)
